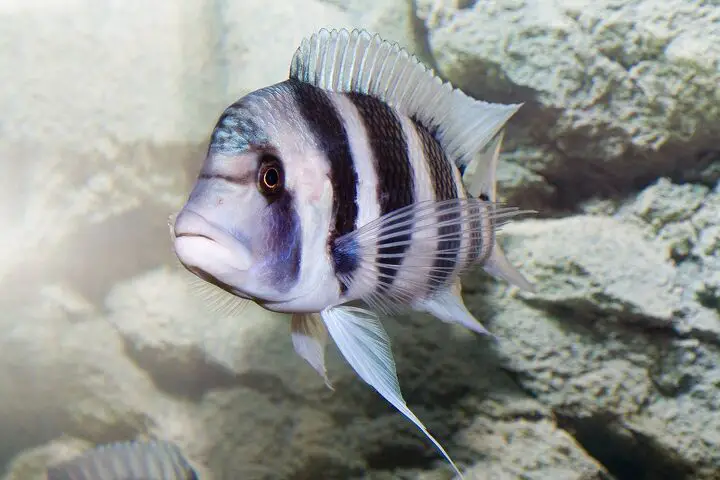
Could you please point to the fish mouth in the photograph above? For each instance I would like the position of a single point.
(209, 252)
(219, 258)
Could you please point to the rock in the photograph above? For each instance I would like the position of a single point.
(664, 202)
(590, 265)
(94, 219)
(530, 449)
(172, 330)
(687, 218)
(68, 378)
(393, 20)
(616, 93)
(615, 342)
(153, 89)
(229, 364)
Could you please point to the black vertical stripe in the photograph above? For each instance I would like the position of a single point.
(327, 127)
(443, 182)
(396, 187)
(477, 246)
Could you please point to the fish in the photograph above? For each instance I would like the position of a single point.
(362, 185)
(131, 460)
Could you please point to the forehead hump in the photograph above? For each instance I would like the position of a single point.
(238, 129)
(260, 119)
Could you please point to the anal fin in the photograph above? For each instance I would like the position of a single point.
(449, 307)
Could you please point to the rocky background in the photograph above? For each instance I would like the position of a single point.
(610, 371)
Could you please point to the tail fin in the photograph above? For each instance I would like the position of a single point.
(480, 178)
(499, 266)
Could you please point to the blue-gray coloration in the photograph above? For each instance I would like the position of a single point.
(395, 178)
(345, 257)
(327, 127)
(283, 243)
(236, 130)
(156, 460)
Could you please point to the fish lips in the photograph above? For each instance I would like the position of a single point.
(209, 252)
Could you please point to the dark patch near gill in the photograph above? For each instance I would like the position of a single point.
(444, 188)
(327, 127)
(284, 242)
(345, 257)
(396, 187)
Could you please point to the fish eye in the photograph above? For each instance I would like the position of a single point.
(270, 175)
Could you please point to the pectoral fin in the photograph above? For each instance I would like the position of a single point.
(309, 337)
(364, 343)
(418, 224)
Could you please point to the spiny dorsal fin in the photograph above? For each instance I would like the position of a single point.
(344, 61)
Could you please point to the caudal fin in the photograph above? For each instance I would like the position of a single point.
(499, 266)
(449, 307)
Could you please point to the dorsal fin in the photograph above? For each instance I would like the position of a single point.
(344, 61)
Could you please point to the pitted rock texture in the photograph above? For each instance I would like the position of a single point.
(616, 92)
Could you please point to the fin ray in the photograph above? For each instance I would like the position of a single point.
(365, 345)
(499, 266)
(132, 459)
(449, 307)
(418, 272)
(480, 174)
(462, 124)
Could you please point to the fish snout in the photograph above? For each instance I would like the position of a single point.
(202, 246)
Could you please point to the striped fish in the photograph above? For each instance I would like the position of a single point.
(134, 460)
(362, 178)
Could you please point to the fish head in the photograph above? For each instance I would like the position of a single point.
(256, 209)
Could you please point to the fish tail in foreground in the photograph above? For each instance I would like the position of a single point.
(432, 153)
(156, 460)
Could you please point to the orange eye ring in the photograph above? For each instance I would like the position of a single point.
(271, 178)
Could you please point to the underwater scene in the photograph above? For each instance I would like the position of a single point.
(344, 239)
